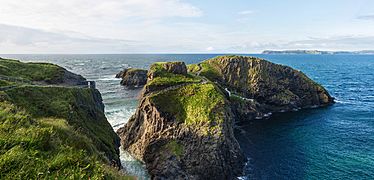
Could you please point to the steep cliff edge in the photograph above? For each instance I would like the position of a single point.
(263, 86)
(53, 132)
(183, 127)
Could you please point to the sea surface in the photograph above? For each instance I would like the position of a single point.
(336, 142)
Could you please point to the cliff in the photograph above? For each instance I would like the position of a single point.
(49, 132)
(183, 127)
(263, 85)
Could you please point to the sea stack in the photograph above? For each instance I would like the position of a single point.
(183, 126)
(132, 77)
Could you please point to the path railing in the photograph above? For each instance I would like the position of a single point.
(83, 84)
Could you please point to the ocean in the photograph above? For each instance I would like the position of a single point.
(335, 142)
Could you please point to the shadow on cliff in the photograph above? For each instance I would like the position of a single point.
(277, 148)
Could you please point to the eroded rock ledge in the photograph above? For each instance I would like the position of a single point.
(183, 126)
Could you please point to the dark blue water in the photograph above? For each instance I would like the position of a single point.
(335, 142)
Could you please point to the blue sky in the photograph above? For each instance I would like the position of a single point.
(182, 26)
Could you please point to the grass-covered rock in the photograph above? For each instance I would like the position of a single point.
(183, 126)
(183, 129)
(38, 72)
(53, 132)
(278, 87)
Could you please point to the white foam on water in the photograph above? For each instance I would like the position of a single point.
(109, 78)
(132, 166)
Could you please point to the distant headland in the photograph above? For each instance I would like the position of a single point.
(317, 52)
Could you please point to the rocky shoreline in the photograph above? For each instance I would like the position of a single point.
(183, 126)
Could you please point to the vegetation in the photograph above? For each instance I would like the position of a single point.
(30, 71)
(76, 105)
(52, 132)
(192, 104)
(165, 78)
(46, 148)
(5, 83)
(175, 148)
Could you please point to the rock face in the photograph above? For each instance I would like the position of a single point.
(133, 77)
(184, 131)
(183, 126)
(275, 87)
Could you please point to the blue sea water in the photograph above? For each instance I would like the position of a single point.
(335, 142)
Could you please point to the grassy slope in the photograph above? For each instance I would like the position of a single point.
(194, 104)
(30, 71)
(52, 132)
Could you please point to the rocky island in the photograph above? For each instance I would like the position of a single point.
(132, 77)
(183, 127)
(52, 126)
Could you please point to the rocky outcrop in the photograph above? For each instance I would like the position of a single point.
(133, 77)
(183, 126)
(275, 87)
(184, 131)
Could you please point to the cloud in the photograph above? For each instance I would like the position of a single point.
(15, 39)
(366, 17)
(90, 15)
(246, 12)
(210, 48)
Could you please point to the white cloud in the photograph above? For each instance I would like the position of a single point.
(210, 48)
(246, 12)
(366, 17)
(92, 17)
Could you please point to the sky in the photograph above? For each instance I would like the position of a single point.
(183, 26)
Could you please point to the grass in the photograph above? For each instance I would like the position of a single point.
(164, 78)
(46, 148)
(75, 105)
(192, 104)
(31, 71)
(4, 83)
(50, 132)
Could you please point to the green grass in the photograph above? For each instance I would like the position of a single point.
(54, 132)
(164, 78)
(4, 83)
(30, 71)
(46, 148)
(75, 105)
(192, 104)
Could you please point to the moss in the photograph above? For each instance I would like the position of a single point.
(30, 71)
(175, 148)
(192, 104)
(46, 148)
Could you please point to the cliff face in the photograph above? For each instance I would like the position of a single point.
(50, 132)
(275, 87)
(183, 128)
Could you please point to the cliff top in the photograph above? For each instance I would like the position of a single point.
(53, 131)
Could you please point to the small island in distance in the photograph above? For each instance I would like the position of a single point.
(316, 52)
